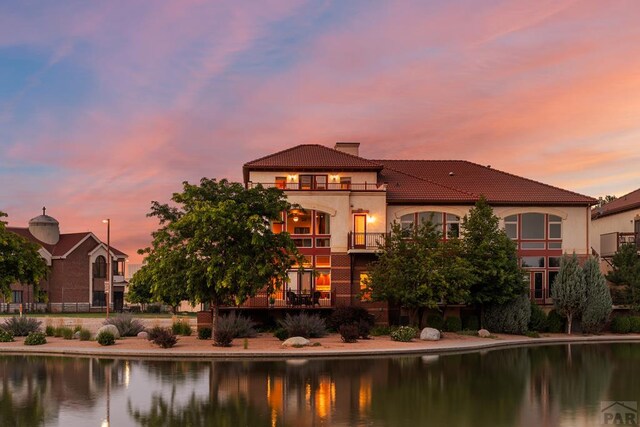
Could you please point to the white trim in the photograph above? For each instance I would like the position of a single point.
(84, 239)
(455, 210)
(535, 209)
(317, 207)
(101, 245)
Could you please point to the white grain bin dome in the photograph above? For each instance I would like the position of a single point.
(45, 228)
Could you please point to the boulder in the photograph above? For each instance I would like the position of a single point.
(144, 335)
(76, 335)
(430, 334)
(296, 342)
(109, 328)
(483, 333)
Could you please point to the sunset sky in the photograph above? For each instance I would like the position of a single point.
(106, 106)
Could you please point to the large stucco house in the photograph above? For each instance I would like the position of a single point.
(616, 223)
(348, 202)
(77, 270)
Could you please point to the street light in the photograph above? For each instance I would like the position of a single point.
(107, 284)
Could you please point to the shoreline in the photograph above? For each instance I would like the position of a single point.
(269, 348)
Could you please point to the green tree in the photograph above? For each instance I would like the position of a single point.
(20, 261)
(598, 298)
(215, 242)
(499, 279)
(139, 289)
(417, 270)
(161, 279)
(569, 289)
(606, 199)
(626, 270)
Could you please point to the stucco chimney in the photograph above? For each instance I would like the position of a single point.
(348, 147)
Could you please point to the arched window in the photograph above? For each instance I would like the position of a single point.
(100, 267)
(440, 220)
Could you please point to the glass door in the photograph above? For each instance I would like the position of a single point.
(359, 230)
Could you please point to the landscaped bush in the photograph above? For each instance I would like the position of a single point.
(5, 336)
(304, 325)
(538, 320)
(181, 327)
(67, 333)
(241, 326)
(452, 324)
(348, 315)
(510, 318)
(106, 338)
(404, 334)
(35, 338)
(471, 323)
(204, 333)
(77, 328)
(381, 330)
(555, 322)
(57, 332)
(153, 308)
(154, 332)
(435, 321)
(281, 334)
(49, 331)
(223, 336)
(85, 335)
(165, 338)
(127, 325)
(21, 326)
(634, 323)
(349, 332)
(621, 325)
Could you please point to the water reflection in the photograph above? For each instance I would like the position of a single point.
(538, 386)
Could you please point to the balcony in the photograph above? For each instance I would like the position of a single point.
(280, 300)
(610, 243)
(331, 186)
(365, 242)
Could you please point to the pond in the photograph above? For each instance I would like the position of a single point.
(552, 385)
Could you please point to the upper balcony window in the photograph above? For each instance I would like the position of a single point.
(534, 226)
(345, 182)
(299, 222)
(313, 182)
(323, 223)
(281, 182)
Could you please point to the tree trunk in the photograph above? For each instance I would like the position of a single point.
(569, 320)
(214, 318)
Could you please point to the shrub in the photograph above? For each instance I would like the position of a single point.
(77, 328)
(555, 322)
(532, 334)
(35, 338)
(49, 331)
(471, 323)
(21, 326)
(181, 327)
(241, 326)
(304, 325)
(435, 321)
(621, 325)
(127, 325)
(154, 332)
(222, 337)
(510, 318)
(634, 323)
(347, 315)
(364, 329)
(349, 332)
(66, 333)
(453, 324)
(57, 331)
(153, 308)
(598, 304)
(204, 333)
(538, 320)
(85, 334)
(106, 338)
(165, 338)
(380, 330)
(404, 334)
(5, 336)
(281, 334)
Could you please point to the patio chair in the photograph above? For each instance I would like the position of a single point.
(292, 298)
(316, 298)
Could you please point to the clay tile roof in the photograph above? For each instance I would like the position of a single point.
(624, 203)
(497, 186)
(405, 188)
(308, 157)
(65, 244)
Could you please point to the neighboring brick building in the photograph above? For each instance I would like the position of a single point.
(348, 203)
(77, 269)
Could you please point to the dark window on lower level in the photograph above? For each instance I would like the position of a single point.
(98, 298)
(16, 297)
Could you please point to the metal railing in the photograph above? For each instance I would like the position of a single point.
(330, 186)
(610, 243)
(369, 241)
(279, 299)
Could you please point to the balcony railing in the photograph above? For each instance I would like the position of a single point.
(366, 241)
(610, 243)
(280, 299)
(331, 186)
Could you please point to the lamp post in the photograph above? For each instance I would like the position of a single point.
(107, 284)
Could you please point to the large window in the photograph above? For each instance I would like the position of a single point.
(533, 226)
(16, 297)
(100, 267)
(313, 182)
(99, 299)
(440, 220)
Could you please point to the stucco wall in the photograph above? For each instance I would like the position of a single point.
(621, 222)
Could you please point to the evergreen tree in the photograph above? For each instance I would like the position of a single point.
(598, 298)
(569, 290)
(626, 271)
(498, 278)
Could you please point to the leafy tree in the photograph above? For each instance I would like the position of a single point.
(139, 290)
(20, 261)
(510, 318)
(599, 305)
(493, 256)
(417, 270)
(569, 289)
(215, 242)
(626, 270)
(161, 279)
(606, 199)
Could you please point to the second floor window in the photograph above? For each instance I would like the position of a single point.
(100, 268)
